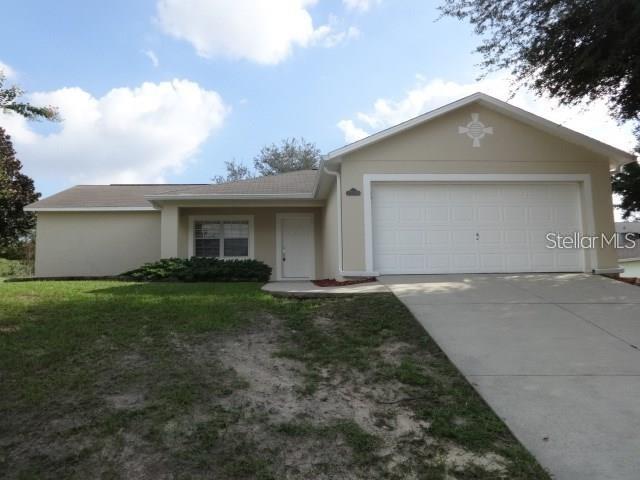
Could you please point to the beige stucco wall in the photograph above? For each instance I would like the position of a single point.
(437, 147)
(330, 235)
(264, 221)
(96, 243)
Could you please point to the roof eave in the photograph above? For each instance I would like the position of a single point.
(232, 196)
(89, 209)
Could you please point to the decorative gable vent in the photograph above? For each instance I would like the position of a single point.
(475, 129)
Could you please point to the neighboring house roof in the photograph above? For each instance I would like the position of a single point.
(629, 253)
(116, 197)
(301, 183)
(625, 227)
(616, 156)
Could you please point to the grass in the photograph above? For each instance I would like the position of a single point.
(102, 379)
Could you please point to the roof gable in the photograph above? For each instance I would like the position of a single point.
(616, 156)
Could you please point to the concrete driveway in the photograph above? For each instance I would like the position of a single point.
(556, 356)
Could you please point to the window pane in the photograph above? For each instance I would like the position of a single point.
(207, 229)
(207, 239)
(207, 247)
(236, 247)
(236, 239)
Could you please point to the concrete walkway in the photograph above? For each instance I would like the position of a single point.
(556, 356)
(309, 290)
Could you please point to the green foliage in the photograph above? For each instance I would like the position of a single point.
(291, 155)
(9, 103)
(198, 269)
(626, 183)
(14, 268)
(236, 171)
(16, 191)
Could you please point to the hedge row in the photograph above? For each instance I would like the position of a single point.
(198, 269)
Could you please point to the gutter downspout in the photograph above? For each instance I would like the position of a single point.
(339, 206)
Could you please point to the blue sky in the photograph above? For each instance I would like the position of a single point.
(167, 90)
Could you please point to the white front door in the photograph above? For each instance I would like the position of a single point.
(296, 252)
(473, 228)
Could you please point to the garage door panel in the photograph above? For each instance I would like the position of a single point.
(411, 214)
(514, 214)
(492, 261)
(461, 214)
(567, 258)
(437, 214)
(462, 238)
(517, 262)
(408, 238)
(478, 229)
(412, 193)
(489, 213)
(489, 237)
(437, 194)
(515, 237)
(440, 262)
(546, 261)
(410, 263)
(435, 238)
(540, 214)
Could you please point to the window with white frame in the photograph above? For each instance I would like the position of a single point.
(221, 238)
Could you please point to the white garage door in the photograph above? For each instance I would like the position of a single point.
(473, 228)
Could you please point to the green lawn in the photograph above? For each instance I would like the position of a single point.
(110, 380)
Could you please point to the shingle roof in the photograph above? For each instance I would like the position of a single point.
(133, 196)
(291, 183)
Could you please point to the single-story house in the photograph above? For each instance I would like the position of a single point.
(629, 247)
(471, 187)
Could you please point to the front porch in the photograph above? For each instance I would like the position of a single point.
(288, 238)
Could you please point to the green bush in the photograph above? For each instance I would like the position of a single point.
(197, 269)
(14, 268)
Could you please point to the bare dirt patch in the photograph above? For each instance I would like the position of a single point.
(301, 431)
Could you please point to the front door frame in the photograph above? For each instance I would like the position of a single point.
(279, 218)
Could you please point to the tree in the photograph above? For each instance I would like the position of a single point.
(9, 102)
(16, 191)
(235, 171)
(572, 50)
(625, 183)
(291, 155)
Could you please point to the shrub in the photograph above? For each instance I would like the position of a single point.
(14, 268)
(197, 269)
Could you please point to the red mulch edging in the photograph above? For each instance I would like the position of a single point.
(630, 280)
(332, 282)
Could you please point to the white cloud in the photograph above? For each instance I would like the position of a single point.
(592, 119)
(151, 55)
(262, 31)
(351, 132)
(7, 71)
(332, 35)
(360, 5)
(128, 135)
